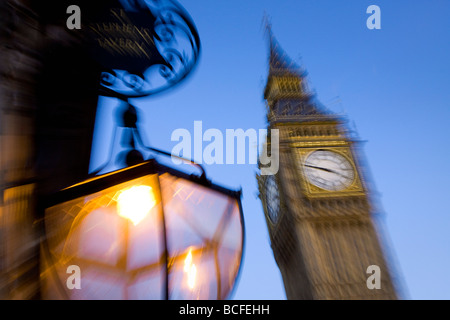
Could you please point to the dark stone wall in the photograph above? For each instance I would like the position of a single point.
(48, 100)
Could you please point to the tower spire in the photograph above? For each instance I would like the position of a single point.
(279, 61)
(286, 90)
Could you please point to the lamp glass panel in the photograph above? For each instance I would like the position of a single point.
(204, 239)
(114, 236)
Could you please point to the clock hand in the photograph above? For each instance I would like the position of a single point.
(320, 168)
(327, 170)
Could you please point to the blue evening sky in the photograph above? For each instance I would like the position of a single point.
(392, 84)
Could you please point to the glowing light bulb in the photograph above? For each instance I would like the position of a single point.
(190, 269)
(135, 203)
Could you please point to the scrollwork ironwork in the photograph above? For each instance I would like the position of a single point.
(168, 47)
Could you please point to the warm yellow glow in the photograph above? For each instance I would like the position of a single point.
(135, 203)
(190, 269)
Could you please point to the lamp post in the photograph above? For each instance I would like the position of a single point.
(146, 231)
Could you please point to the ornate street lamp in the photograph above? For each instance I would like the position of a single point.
(147, 231)
(144, 232)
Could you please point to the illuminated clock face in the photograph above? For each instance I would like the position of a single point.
(272, 198)
(329, 170)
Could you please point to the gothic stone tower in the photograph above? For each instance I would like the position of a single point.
(317, 206)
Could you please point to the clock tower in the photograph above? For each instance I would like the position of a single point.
(318, 206)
